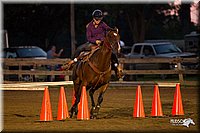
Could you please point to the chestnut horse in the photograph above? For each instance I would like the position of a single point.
(95, 72)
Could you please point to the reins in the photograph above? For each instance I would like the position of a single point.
(108, 46)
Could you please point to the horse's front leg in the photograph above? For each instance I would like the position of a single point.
(91, 93)
(100, 98)
(74, 108)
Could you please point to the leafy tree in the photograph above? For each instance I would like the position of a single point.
(40, 24)
(185, 20)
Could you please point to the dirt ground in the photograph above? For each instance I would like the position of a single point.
(22, 110)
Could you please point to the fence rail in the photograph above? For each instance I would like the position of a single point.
(37, 63)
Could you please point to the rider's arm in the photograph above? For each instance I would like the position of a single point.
(90, 38)
(105, 26)
(54, 54)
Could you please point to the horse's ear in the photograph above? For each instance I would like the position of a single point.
(116, 29)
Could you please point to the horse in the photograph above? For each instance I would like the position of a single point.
(95, 72)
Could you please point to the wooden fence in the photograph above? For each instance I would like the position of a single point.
(38, 63)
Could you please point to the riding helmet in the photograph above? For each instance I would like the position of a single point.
(97, 14)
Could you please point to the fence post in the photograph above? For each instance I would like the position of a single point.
(66, 77)
(20, 78)
(180, 72)
(121, 63)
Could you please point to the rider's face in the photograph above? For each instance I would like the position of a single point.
(97, 21)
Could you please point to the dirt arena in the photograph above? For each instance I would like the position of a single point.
(22, 110)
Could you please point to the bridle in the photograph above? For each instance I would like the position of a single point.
(109, 44)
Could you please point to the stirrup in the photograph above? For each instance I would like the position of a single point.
(68, 66)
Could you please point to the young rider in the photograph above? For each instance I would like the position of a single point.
(96, 31)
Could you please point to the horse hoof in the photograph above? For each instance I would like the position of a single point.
(71, 115)
(93, 117)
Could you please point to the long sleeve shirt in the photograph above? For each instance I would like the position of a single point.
(98, 33)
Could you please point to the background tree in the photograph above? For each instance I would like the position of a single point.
(185, 18)
(43, 24)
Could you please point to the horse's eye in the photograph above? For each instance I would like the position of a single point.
(115, 34)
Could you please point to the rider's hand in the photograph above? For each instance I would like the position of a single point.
(60, 51)
(98, 42)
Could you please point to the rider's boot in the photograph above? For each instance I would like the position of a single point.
(69, 65)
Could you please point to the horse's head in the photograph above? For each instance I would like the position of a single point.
(113, 39)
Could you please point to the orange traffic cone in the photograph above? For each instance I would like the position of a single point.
(177, 108)
(62, 106)
(138, 106)
(46, 112)
(156, 103)
(83, 110)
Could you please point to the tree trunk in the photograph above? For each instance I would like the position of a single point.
(72, 23)
(198, 25)
(137, 25)
(185, 18)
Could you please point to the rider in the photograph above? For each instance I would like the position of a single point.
(96, 31)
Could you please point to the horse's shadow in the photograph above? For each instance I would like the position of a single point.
(116, 113)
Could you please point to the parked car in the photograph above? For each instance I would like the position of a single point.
(157, 49)
(192, 42)
(23, 52)
(125, 50)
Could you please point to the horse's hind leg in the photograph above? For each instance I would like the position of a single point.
(74, 108)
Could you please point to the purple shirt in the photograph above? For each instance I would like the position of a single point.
(98, 33)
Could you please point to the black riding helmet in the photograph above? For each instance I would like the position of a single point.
(97, 14)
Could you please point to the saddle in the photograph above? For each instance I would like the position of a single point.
(84, 56)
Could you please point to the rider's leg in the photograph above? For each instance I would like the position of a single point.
(75, 58)
(85, 47)
(81, 48)
(115, 66)
(76, 54)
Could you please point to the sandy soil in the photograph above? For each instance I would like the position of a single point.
(22, 110)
